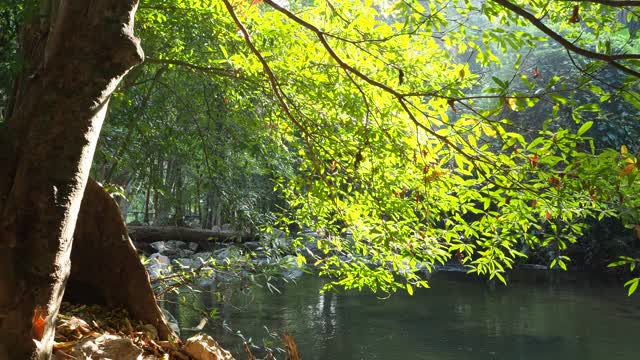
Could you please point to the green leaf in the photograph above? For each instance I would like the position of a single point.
(409, 289)
(585, 127)
(633, 286)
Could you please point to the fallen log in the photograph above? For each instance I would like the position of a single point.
(148, 234)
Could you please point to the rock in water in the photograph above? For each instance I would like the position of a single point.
(203, 347)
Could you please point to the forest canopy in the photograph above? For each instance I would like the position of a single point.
(406, 133)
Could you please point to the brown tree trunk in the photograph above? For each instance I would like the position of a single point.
(76, 52)
(105, 267)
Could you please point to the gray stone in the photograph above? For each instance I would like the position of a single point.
(186, 262)
(193, 246)
(169, 248)
(176, 244)
(159, 259)
(201, 257)
(158, 246)
(226, 252)
(155, 271)
(183, 253)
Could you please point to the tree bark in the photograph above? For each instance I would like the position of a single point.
(76, 52)
(105, 267)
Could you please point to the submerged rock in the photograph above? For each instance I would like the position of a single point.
(204, 347)
(293, 270)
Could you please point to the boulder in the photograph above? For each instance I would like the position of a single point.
(203, 347)
(172, 248)
(158, 266)
(186, 262)
(155, 271)
(159, 259)
(201, 257)
(227, 252)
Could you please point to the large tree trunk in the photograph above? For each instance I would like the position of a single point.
(75, 54)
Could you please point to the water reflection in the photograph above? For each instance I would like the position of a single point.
(456, 319)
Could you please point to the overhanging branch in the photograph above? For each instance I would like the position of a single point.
(206, 69)
(612, 3)
(610, 59)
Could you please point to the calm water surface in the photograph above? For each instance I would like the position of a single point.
(458, 318)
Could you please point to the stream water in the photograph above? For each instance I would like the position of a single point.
(458, 318)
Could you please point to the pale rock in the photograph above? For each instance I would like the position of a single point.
(193, 246)
(185, 262)
(201, 257)
(203, 347)
(106, 347)
(159, 259)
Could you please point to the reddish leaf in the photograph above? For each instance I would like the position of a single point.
(627, 170)
(536, 73)
(38, 322)
(548, 215)
(290, 346)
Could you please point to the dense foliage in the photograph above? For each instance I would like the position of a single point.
(406, 133)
